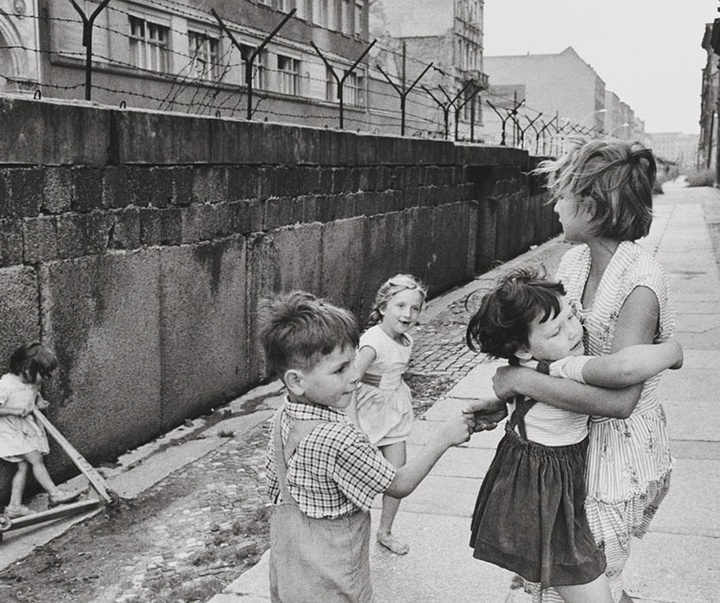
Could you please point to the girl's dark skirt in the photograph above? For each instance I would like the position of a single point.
(530, 514)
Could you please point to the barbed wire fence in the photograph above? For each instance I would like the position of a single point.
(208, 85)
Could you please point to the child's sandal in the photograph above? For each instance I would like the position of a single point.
(62, 497)
(18, 511)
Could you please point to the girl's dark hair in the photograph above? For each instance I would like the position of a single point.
(501, 324)
(33, 358)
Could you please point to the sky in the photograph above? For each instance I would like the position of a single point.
(646, 51)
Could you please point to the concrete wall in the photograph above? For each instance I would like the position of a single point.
(138, 244)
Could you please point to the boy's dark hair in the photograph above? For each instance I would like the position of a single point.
(500, 326)
(297, 329)
(33, 358)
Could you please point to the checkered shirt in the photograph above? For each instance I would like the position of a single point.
(334, 471)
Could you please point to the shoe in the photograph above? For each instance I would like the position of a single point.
(61, 497)
(18, 511)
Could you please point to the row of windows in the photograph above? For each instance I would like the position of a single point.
(150, 50)
(345, 16)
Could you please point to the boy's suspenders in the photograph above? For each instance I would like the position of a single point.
(283, 453)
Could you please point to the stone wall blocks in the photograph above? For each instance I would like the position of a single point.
(243, 182)
(182, 184)
(210, 184)
(278, 212)
(24, 192)
(126, 233)
(115, 187)
(39, 239)
(11, 242)
(57, 190)
(83, 234)
(87, 190)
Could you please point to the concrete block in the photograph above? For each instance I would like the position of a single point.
(127, 231)
(116, 187)
(39, 239)
(344, 239)
(87, 189)
(11, 242)
(203, 329)
(102, 315)
(57, 189)
(24, 192)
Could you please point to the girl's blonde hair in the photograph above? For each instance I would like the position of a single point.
(391, 287)
(618, 176)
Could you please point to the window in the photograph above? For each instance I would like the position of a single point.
(259, 75)
(149, 45)
(346, 16)
(265, 2)
(204, 55)
(331, 87)
(323, 13)
(288, 75)
(355, 90)
(358, 18)
(301, 6)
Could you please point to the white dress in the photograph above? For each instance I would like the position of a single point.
(384, 410)
(19, 435)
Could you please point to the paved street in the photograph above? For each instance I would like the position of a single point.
(679, 561)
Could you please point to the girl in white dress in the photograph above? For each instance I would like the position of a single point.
(22, 440)
(382, 406)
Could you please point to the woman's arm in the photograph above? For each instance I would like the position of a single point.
(636, 324)
(631, 365)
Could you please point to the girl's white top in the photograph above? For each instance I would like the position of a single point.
(552, 426)
(19, 435)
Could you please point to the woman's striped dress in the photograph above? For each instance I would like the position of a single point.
(629, 461)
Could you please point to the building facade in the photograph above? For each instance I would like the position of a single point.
(191, 56)
(447, 34)
(559, 88)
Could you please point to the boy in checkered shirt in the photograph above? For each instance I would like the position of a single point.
(322, 472)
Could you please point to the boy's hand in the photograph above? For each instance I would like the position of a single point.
(489, 404)
(486, 421)
(457, 429)
(41, 403)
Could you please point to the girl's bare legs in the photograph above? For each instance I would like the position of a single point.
(19, 481)
(42, 476)
(597, 591)
(397, 455)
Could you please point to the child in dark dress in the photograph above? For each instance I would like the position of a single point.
(529, 516)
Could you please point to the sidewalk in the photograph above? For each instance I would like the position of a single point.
(679, 560)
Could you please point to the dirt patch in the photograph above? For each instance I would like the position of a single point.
(183, 540)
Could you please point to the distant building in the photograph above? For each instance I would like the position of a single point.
(676, 147)
(446, 33)
(564, 88)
